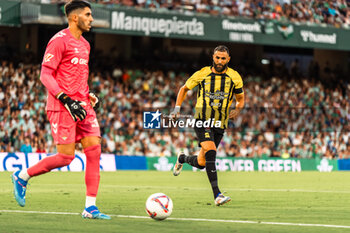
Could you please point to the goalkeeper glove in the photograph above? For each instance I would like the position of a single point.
(74, 107)
(95, 101)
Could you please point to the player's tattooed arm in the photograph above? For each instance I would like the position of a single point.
(239, 106)
(180, 98)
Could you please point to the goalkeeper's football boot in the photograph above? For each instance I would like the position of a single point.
(221, 199)
(178, 166)
(93, 213)
(19, 188)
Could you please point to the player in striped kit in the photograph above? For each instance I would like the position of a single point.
(217, 86)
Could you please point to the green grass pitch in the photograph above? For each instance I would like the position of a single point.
(313, 198)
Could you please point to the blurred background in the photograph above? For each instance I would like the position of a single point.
(293, 57)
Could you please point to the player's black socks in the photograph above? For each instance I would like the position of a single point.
(210, 168)
(182, 158)
(191, 160)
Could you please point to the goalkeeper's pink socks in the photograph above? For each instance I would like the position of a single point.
(92, 170)
(50, 162)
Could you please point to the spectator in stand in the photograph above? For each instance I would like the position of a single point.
(41, 147)
(336, 13)
(5, 142)
(26, 147)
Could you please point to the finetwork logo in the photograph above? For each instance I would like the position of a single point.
(151, 120)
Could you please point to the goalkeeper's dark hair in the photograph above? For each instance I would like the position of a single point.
(222, 48)
(75, 4)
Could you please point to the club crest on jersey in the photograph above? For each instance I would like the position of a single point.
(48, 57)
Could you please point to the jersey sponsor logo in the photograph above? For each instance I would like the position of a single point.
(81, 61)
(54, 127)
(218, 95)
(48, 57)
(74, 60)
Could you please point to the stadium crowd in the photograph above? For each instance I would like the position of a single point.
(285, 116)
(331, 12)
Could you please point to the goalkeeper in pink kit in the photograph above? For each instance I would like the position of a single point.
(70, 107)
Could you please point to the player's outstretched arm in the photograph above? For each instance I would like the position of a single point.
(180, 98)
(74, 107)
(239, 106)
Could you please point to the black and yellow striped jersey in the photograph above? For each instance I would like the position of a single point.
(215, 93)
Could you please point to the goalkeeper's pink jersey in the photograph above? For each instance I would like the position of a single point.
(69, 57)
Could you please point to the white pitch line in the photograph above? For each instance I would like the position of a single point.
(234, 189)
(190, 219)
(227, 189)
(202, 188)
(291, 190)
(37, 212)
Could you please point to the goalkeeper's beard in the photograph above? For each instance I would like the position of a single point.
(219, 68)
(82, 27)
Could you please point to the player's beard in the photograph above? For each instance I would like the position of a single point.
(82, 26)
(219, 68)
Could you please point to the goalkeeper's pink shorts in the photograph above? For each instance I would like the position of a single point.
(65, 130)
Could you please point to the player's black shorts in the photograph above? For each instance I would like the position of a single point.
(209, 134)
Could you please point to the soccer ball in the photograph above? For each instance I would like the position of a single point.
(159, 206)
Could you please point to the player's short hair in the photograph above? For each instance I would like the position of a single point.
(222, 48)
(75, 4)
